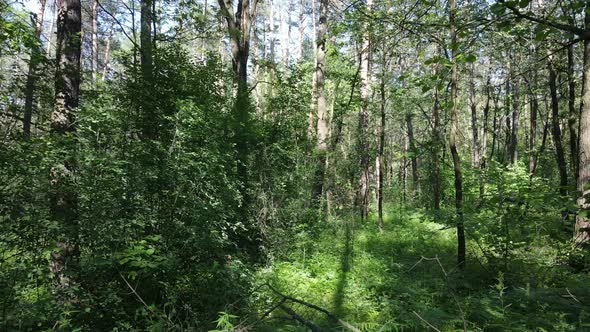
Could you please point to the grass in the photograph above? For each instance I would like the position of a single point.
(406, 277)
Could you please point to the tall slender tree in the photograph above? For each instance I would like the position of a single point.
(454, 138)
(64, 201)
(322, 121)
(32, 74)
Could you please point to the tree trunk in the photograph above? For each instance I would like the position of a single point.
(145, 36)
(107, 50)
(475, 157)
(288, 43)
(495, 126)
(94, 39)
(301, 30)
(381, 157)
(32, 74)
(556, 131)
(363, 125)
(50, 31)
(322, 124)
(64, 203)
(413, 156)
(533, 131)
(484, 144)
(515, 123)
(508, 120)
(436, 177)
(454, 143)
(582, 228)
(573, 115)
(240, 47)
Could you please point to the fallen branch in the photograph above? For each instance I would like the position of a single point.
(425, 321)
(300, 319)
(315, 307)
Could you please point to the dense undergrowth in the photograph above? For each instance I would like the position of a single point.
(406, 276)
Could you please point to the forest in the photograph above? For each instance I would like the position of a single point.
(295, 165)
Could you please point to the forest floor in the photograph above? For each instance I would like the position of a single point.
(406, 279)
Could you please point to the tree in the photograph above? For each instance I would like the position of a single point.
(454, 138)
(64, 206)
(363, 126)
(322, 121)
(239, 27)
(34, 60)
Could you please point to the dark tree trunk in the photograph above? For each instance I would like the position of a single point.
(573, 115)
(556, 132)
(533, 132)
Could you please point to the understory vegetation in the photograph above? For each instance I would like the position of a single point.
(282, 165)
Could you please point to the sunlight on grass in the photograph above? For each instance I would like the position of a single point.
(378, 282)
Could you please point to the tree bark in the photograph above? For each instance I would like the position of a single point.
(363, 125)
(515, 123)
(436, 140)
(50, 31)
(64, 201)
(239, 28)
(454, 142)
(381, 157)
(322, 124)
(484, 144)
(107, 50)
(301, 30)
(582, 227)
(32, 74)
(533, 131)
(573, 115)
(94, 40)
(475, 157)
(556, 131)
(413, 155)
